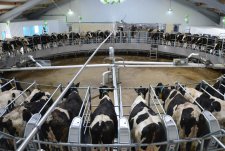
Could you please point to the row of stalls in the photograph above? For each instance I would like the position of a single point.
(79, 137)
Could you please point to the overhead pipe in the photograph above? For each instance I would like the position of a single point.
(35, 130)
(19, 10)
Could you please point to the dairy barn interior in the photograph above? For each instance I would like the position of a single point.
(115, 75)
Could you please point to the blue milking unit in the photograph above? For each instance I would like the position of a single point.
(170, 126)
(212, 124)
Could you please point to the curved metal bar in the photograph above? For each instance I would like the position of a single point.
(34, 131)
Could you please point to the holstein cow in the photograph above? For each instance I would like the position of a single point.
(7, 97)
(37, 94)
(14, 122)
(210, 90)
(104, 124)
(9, 86)
(184, 113)
(145, 125)
(56, 127)
(215, 105)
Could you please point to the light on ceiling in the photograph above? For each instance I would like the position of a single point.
(170, 10)
(111, 1)
(70, 12)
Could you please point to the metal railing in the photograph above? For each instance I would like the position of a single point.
(206, 45)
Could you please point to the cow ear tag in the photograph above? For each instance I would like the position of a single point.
(160, 96)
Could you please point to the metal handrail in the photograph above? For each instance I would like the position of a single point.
(34, 131)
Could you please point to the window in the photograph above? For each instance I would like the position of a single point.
(3, 35)
(37, 29)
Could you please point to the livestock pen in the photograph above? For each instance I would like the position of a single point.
(78, 137)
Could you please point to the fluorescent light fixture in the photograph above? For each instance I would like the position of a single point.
(170, 10)
(70, 12)
(111, 1)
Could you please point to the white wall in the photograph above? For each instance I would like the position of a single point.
(132, 11)
(4, 28)
(208, 30)
(16, 28)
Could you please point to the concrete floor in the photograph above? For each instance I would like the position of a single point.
(129, 77)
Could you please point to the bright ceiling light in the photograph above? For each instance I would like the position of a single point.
(70, 12)
(111, 1)
(170, 10)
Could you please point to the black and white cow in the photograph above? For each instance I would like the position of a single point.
(145, 125)
(37, 94)
(185, 114)
(10, 86)
(218, 85)
(7, 97)
(14, 122)
(213, 104)
(56, 127)
(104, 124)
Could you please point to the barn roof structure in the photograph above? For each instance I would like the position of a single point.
(32, 9)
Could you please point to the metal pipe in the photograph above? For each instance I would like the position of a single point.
(115, 92)
(191, 97)
(84, 101)
(55, 67)
(213, 88)
(32, 58)
(164, 112)
(103, 76)
(6, 83)
(190, 65)
(143, 63)
(121, 102)
(50, 98)
(219, 142)
(20, 94)
(35, 130)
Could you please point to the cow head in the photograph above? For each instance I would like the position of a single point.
(71, 89)
(8, 125)
(201, 86)
(141, 91)
(158, 89)
(104, 90)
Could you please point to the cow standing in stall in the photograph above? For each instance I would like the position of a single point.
(104, 124)
(145, 125)
(219, 85)
(185, 114)
(15, 121)
(56, 126)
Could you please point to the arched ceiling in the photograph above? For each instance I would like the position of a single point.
(32, 9)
